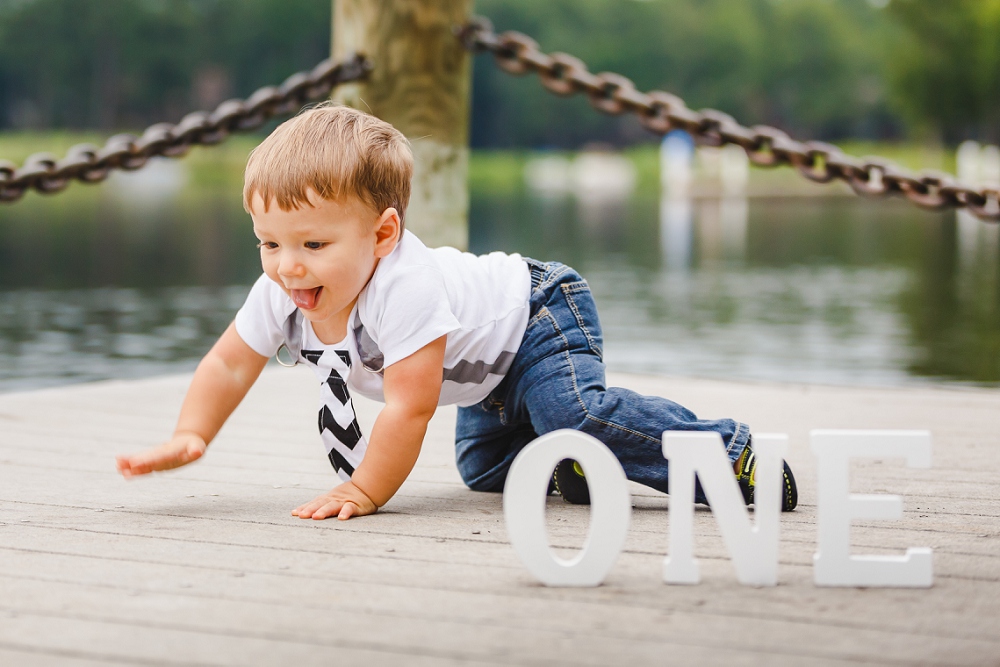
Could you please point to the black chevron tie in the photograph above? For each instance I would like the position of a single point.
(338, 387)
(349, 436)
(312, 356)
(339, 463)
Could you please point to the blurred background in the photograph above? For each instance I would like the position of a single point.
(700, 265)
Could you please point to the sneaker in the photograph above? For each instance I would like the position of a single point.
(746, 476)
(570, 483)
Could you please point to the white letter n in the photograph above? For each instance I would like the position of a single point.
(754, 550)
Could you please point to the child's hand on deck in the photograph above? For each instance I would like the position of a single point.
(343, 502)
(182, 449)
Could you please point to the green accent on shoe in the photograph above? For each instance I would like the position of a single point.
(571, 483)
(746, 476)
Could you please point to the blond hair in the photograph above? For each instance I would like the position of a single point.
(337, 151)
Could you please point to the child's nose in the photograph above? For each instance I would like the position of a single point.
(289, 265)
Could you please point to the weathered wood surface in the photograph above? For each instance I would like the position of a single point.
(205, 565)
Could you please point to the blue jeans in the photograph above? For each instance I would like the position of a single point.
(557, 381)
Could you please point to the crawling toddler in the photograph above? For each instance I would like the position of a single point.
(514, 342)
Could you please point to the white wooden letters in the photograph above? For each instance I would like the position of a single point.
(524, 508)
(833, 565)
(753, 546)
(754, 550)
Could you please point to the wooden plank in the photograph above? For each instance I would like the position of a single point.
(42, 656)
(62, 633)
(469, 625)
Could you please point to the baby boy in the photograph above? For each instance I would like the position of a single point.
(514, 342)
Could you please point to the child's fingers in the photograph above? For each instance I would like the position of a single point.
(165, 457)
(332, 508)
(306, 510)
(126, 466)
(141, 465)
(144, 464)
(303, 512)
(328, 505)
(193, 452)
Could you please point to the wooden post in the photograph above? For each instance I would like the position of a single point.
(420, 84)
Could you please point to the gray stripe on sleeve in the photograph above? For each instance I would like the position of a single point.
(464, 371)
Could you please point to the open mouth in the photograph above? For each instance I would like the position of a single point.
(306, 299)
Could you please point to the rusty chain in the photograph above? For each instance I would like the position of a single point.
(89, 163)
(515, 53)
(660, 112)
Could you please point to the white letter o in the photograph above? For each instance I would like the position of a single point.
(524, 508)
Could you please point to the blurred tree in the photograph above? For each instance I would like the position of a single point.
(127, 63)
(943, 74)
(92, 64)
(813, 67)
(260, 42)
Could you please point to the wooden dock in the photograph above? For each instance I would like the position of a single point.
(205, 565)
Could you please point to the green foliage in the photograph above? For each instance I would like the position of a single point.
(812, 67)
(497, 171)
(945, 70)
(826, 69)
(111, 64)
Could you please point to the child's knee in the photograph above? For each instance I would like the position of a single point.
(482, 468)
(490, 480)
(483, 462)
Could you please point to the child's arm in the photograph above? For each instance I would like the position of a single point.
(222, 380)
(412, 387)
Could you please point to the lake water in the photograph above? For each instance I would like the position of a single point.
(128, 279)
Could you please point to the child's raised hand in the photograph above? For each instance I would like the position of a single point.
(343, 502)
(182, 449)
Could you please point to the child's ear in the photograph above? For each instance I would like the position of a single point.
(387, 232)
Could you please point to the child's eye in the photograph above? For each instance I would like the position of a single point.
(267, 244)
(315, 245)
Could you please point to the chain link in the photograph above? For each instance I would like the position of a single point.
(515, 53)
(88, 163)
(661, 112)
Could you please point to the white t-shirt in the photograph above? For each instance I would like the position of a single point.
(416, 295)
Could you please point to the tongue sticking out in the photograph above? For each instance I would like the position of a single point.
(306, 298)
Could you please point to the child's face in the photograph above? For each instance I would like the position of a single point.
(323, 255)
